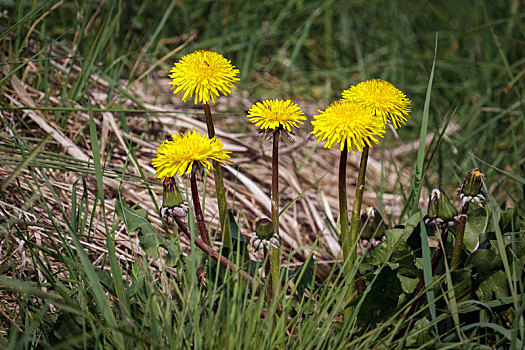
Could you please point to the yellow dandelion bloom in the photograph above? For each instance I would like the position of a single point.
(350, 123)
(274, 114)
(205, 74)
(383, 98)
(177, 156)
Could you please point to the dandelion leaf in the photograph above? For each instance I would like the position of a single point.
(136, 219)
(484, 261)
(408, 284)
(494, 287)
(474, 228)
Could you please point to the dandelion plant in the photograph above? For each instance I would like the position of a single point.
(274, 117)
(205, 75)
(354, 127)
(383, 100)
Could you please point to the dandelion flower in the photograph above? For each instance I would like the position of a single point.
(276, 114)
(205, 74)
(382, 98)
(348, 123)
(177, 156)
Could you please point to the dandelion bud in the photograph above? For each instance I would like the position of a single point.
(440, 210)
(171, 196)
(472, 183)
(172, 202)
(264, 236)
(264, 228)
(371, 222)
(470, 190)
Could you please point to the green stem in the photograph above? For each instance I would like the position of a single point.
(360, 189)
(458, 244)
(354, 225)
(275, 255)
(219, 186)
(268, 274)
(345, 238)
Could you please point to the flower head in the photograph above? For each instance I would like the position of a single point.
(178, 155)
(275, 114)
(205, 74)
(382, 98)
(348, 123)
(264, 228)
(439, 206)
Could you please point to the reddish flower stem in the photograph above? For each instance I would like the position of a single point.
(209, 121)
(215, 255)
(436, 257)
(199, 218)
(275, 259)
(229, 265)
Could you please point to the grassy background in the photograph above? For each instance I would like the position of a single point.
(312, 50)
(305, 50)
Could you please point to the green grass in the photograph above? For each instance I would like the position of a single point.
(70, 274)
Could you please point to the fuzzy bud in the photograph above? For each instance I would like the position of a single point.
(264, 228)
(264, 236)
(171, 195)
(440, 208)
(371, 222)
(172, 202)
(472, 183)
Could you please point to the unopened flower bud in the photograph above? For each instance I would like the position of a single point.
(171, 196)
(472, 183)
(371, 222)
(440, 208)
(470, 190)
(264, 228)
(264, 236)
(172, 202)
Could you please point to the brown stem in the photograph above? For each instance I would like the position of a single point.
(356, 211)
(345, 238)
(343, 210)
(215, 255)
(354, 228)
(359, 191)
(229, 265)
(199, 218)
(275, 183)
(275, 252)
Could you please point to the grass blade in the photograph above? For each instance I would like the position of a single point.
(422, 137)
